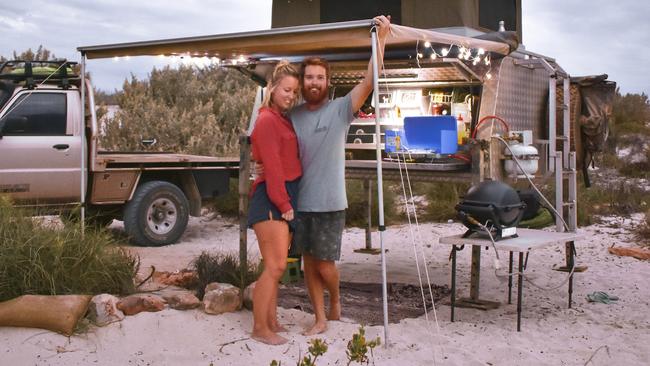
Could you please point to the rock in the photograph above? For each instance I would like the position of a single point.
(102, 310)
(180, 299)
(137, 303)
(221, 298)
(185, 278)
(248, 296)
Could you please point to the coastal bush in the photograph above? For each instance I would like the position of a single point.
(187, 110)
(357, 212)
(223, 268)
(39, 259)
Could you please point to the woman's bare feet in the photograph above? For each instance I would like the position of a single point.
(317, 328)
(269, 338)
(278, 328)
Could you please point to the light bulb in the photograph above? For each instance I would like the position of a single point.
(444, 52)
(488, 76)
(433, 56)
(427, 44)
(419, 55)
(481, 51)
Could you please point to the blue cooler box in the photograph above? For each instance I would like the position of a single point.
(431, 133)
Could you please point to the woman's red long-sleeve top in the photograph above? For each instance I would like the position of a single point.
(275, 145)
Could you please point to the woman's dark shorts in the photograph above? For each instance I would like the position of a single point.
(261, 208)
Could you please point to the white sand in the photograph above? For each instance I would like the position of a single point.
(551, 333)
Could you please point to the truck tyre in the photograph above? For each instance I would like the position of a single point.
(157, 215)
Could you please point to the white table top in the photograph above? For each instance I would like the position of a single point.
(528, 239)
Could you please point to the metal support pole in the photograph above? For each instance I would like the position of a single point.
(520, 288)
(244, 173)
(573, 193)
(552, 126)
(82, 147)
(380, 183)
(566, 144)
(559, 193)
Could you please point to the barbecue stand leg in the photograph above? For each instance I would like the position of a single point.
(453, 280)
(510, 279)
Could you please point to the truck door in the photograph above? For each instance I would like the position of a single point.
(40, 147)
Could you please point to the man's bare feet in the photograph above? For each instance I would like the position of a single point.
(269, 338)
(317, 328)
(335, 311)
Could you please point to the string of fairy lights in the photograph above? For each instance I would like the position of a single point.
(477, 57)
(195, 60)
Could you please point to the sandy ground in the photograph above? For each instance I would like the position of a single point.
(551, 333)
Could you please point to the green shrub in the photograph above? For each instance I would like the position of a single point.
(228, 204)
(223, 268)
(35, 259)
(618, 198)
(357, 212)
(441, 199)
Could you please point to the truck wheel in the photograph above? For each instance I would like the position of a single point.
(157, 215)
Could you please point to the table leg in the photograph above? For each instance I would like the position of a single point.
(520, 286)
(510, 279)
(475, 274)
(453, 281)
(570, 264)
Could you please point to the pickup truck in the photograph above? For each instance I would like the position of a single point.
(42, 155)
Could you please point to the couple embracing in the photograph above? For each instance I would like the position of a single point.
(300, 198)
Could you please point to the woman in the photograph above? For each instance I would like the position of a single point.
(274, 196)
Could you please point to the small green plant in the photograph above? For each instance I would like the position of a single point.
(223, 268)
(358, 347)
(317, 348)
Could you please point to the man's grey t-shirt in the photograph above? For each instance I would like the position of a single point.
(321, 137)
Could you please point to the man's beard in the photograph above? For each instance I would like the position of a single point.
(314, 99)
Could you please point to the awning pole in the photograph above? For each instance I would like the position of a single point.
(82, 146)
(380, 183)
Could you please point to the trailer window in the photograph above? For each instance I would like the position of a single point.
(36, 114)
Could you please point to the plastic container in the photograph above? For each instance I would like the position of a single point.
(437, 134)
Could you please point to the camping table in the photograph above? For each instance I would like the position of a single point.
(528, 240)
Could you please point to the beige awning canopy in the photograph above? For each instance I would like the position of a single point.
(346, 39)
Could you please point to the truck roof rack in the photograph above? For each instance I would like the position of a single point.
(32, 72)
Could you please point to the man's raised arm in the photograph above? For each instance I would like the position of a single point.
(363, 89)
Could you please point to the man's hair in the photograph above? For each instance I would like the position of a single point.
(315, 61)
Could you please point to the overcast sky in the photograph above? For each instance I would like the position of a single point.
(586, 37)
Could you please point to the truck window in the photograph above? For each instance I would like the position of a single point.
(36, 114)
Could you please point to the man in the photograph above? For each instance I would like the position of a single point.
(321, 126)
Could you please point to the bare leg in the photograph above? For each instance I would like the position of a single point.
(274, 324)
(272, 237)
(315, 288)
(330, 275)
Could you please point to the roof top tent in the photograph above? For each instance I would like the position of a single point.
(517, 86)
(464, 17)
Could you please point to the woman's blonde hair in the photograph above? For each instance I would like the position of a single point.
(282, 69)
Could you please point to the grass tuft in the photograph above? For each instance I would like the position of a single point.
(43, 260)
